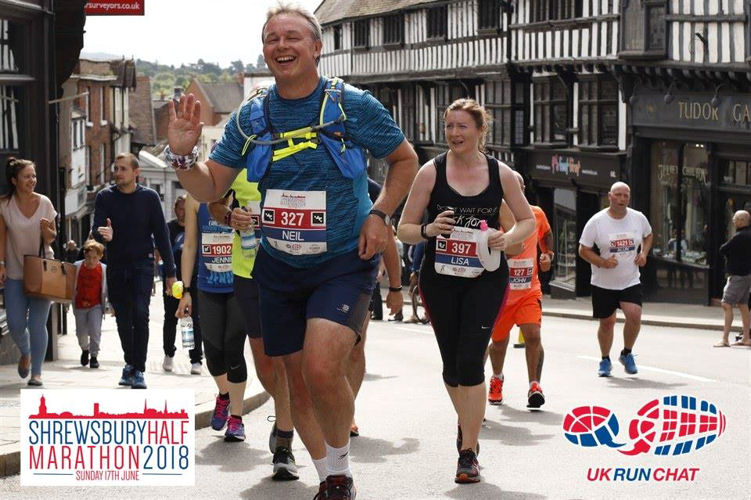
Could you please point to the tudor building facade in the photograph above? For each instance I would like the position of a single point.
(582, 93)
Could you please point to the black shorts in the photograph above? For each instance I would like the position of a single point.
(246, 292)
(605, 301)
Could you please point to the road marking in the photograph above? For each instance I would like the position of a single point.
(659, 370)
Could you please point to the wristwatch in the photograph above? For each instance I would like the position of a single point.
(386, 218)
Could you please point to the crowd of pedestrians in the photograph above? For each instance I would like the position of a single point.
(283, 238)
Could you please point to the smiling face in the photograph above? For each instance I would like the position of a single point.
(462, 132)
(26, 180)
(290, 49)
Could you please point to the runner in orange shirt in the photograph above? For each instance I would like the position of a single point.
(524, 308)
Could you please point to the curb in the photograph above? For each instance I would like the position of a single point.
(644, 321)
(10, 463)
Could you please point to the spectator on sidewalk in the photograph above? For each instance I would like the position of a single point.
(176, 228)
(90, 301)
(128, 218)
(736, 293)
(26, 219)
(71, 251)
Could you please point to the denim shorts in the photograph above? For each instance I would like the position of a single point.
(338, 290)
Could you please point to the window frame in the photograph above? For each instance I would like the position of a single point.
(16, 82)
(555, 10)
(593, 105)
(543, 108)
(747, 6)
(644, 17)
(487, 21)
(510, 105)
(436, 23)
(361, 34)
(393, 30)
(337, 32)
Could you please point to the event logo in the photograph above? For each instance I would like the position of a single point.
(671, 425)
(103, 437)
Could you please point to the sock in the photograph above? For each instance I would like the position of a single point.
(498, 375)
(337, 460)
(533, 382)
(224, 396)
(238, 417)
(606, 357)
(321, 468)
(284, 438)
(625, 352)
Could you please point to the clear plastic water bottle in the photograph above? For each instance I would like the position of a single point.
(248, 242)
(186, 328)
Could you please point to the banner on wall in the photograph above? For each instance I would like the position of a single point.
(105, 8)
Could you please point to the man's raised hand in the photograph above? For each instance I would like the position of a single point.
(184, 129)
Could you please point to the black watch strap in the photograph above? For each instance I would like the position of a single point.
(384, 216)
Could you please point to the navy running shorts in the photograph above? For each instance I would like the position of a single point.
(338, 290)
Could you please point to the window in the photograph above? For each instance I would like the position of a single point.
(10, 48)
(737, 172)
(393, 29)
(504, 101)
(102, 164)
(11, 94)
(598, 111)
(748, 30)
(88, 106)
(550, 10)
(438, 23)
(102, 109)
(489, 14)
(362, 34)
(445, 95)
(644, 29)
(338, 37)
(551, 110)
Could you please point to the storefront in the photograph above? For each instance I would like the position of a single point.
(693, 150)
(571, 186)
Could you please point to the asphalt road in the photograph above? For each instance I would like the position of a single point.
(406, 449)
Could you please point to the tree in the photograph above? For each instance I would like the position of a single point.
(237, 66)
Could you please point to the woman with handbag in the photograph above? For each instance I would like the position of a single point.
(26, 218)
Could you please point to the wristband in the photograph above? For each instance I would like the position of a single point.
(186, 289)
(395, 289)
(228, 219)
(181, 162)
(424, 231)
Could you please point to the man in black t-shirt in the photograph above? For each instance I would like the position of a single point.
(176, 229)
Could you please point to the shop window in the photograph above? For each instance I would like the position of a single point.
(338, 37)
(566, 242)
(9, 118)
(489, 15)
(644, 29)
(10, 56)
(362, 34)
(437, 23)
(598, 111)
(737, 172)
(550, 10)
(393, 29)
(551, 111)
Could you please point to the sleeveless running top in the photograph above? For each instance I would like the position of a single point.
(214, 254)
(456, 255)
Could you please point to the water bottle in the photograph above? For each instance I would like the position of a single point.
(186, 328)
(248, 242)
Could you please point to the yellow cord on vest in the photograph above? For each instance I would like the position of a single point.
(305, 133)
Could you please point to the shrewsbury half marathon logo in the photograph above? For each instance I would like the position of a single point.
(671, 425)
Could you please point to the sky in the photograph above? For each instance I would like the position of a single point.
(183, 31)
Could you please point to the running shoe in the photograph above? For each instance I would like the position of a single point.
(221, 413)
(195, 368)
(338, 488)
(627, 361)
(127, 376)
(605, 367)
(495, 394)
(459, 440)
(535, 398)
(467, 469)
(235, 430)
(285, 468)
(321, 491)
(168, 363)
(138, 380)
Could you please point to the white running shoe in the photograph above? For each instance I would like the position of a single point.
(195, 368)
(167, 363)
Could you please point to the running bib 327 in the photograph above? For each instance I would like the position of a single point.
(520, 274)
(294, 222)
(457, 254)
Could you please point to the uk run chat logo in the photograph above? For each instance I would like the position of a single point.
(671, 425)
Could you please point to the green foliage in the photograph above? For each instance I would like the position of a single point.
(164, 78)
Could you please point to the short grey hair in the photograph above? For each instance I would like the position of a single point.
(296, 10)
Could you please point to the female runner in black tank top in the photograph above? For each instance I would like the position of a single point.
(459, 189)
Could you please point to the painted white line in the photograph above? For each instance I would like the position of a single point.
(659, 370)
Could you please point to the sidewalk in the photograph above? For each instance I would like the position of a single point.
(67, 373)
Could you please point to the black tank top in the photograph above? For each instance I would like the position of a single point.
(468, 210)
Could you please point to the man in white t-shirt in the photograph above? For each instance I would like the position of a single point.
(624, 238)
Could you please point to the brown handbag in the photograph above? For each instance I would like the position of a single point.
(48, 278)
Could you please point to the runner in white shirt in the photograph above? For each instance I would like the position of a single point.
(624, 238)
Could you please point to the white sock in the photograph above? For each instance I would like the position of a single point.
(322, 468)
(337, 460)
(498, 375)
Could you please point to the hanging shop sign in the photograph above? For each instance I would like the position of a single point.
(597, 170)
